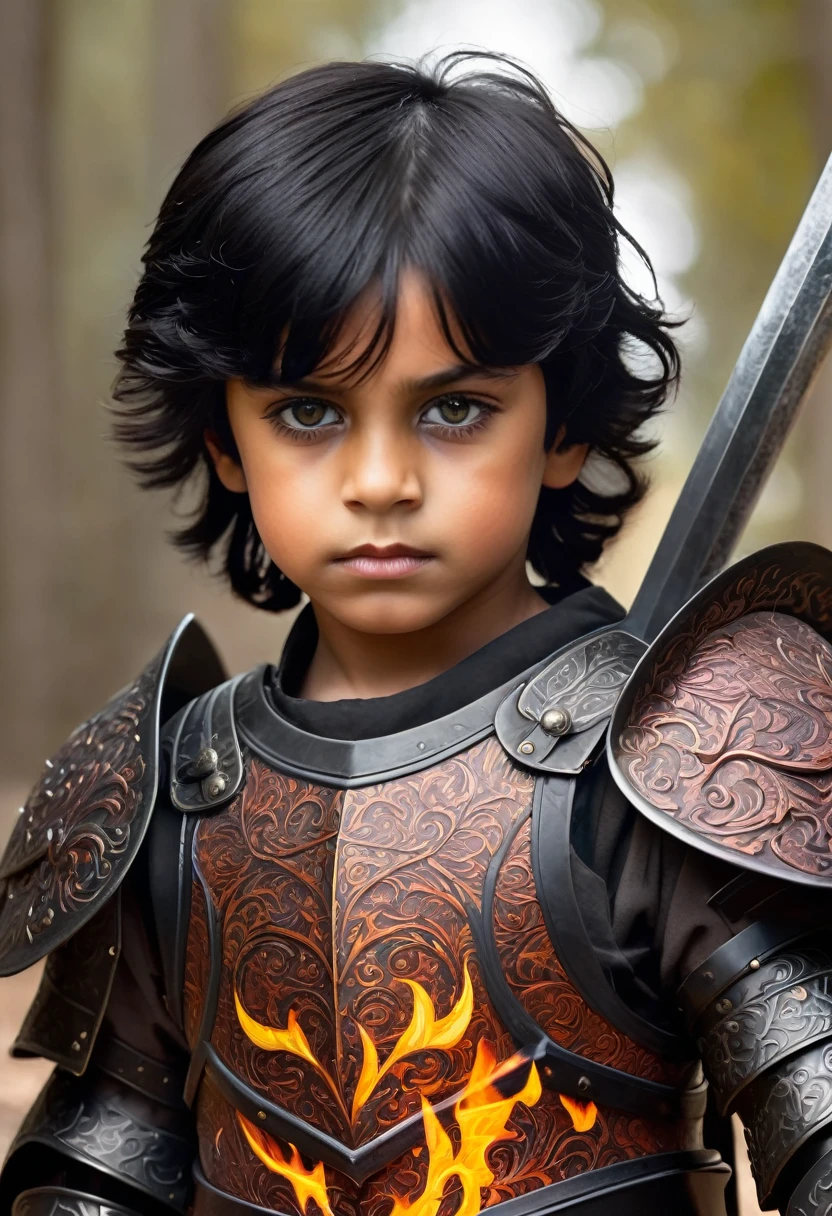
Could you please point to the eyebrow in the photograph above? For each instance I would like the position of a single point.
(440, 379)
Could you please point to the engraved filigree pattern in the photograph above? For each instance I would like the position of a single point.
(52, 1201)
(98, 1130)
(783, 1108)
(774, 1011)
(75, 830)
(586, 681)
(542, 1147)
(813, 1194)
(306, 994)
(541, 984)
(197, 965)
(732, 737)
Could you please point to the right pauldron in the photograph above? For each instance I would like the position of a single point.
(760, 1008)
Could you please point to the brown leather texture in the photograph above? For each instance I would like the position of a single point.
(352, 997)
(731, 736)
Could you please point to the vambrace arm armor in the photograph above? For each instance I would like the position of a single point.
(61, 1201)
(760, 1008)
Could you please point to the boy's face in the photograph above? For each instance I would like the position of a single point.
(398, 500)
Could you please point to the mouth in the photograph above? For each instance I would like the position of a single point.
(384, 561)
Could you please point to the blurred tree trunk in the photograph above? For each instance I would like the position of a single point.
(816, 425)
(29, 391)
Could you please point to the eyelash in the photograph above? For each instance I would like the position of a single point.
(310, 434)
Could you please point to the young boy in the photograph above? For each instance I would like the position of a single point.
(372, 931)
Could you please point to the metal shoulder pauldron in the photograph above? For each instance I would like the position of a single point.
(83, 823)
(723, 736)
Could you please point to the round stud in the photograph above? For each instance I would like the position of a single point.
(526, 748)
(584, 1084)
(261, 1114)
(754, 965)
(556, 721)
(206, 762)
(708, 975)
(216, 785)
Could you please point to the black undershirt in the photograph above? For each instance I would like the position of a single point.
(494, 664)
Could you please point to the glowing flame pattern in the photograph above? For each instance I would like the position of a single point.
(423, 1033)
(583, 1114)
(481, 1114)
(307, 1184)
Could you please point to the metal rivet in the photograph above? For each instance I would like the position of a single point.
(216, 785)
(112, 951)
(206, 762)
(421, 746)
(140, 1068)
(526, 748)
(165, 1080)
(76, 1046)
(584, 1084)
(261, 1114)
(754, 965)
(83, 1034)
(547, 1072)
(556, 721)
(708, 975)
(732, 1027)
(724, 1006)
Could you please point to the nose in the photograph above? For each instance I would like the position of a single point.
(381, 470)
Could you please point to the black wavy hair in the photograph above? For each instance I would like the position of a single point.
(332, 182)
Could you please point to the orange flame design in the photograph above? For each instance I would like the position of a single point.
(307, 1184)
(481, 1114)
(423, 1033)
(583, 1114)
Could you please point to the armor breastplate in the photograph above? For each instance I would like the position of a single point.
(378, 1017)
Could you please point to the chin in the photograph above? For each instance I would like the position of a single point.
(390, 614)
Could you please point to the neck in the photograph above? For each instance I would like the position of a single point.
(350, 664)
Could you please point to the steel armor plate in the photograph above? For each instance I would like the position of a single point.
(723, 735)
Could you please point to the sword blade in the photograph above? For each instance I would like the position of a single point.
(777, 364)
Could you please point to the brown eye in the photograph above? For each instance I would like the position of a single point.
(453, 412)
(308, 415)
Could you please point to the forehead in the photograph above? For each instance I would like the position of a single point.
(417, 346)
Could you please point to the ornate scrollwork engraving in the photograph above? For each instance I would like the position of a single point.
(352, 992)
(731, 736)
(772, 1013)
(75, 832)
(72, 1118)
(585, 682)
(783, 1108)
(813, 1194)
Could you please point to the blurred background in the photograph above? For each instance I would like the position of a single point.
(716, 116)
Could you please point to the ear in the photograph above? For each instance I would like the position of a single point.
(229, 471)
(563, 464)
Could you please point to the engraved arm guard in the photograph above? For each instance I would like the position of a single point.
(100, 1138)
(761, 1010)
(61, 1201)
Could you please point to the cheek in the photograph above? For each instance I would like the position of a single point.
(489, 499)
(286, 496)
